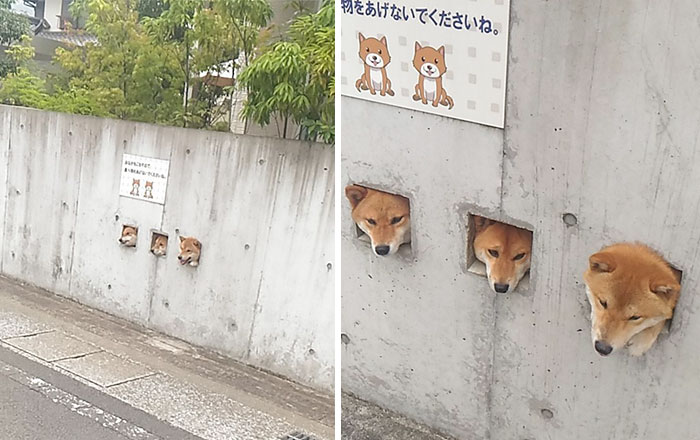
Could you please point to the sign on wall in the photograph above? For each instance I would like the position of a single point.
(447, 57)
(144, 178)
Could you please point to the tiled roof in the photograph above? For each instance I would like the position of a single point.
(73, 37)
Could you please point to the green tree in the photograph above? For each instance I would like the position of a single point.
(21, 87)
(293, 79)
(12, 28)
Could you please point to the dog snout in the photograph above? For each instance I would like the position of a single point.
(603, 348)
(179, 257)
(501, 288)
(382, 249)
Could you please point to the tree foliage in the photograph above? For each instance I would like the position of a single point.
(12, 28)
(293, 79)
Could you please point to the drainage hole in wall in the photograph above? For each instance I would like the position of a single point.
(130, 234)
(506, 248)
(392, 219)
(159, 243)
(569, 219)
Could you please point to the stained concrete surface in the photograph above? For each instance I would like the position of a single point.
(191, 389)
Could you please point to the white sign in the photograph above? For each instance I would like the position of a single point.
(144, 178)
(447, 57)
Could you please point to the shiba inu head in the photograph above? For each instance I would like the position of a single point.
(631, 288)
(374, 52)
(135, 183)
(190, 250)
(159, 246)
(505, 250)
(129, 236)
(384, 217)
(430, 62)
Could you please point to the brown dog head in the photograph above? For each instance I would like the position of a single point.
(160, 245)
(374, 52)
(384, 217)
(129, 236)
(630, 288)
(430, 62)
(190, 251)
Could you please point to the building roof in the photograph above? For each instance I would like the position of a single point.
(76, 38)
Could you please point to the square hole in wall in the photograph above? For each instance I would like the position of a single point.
(129, 235)
(499, 240)
(159, 243)
(384, 214)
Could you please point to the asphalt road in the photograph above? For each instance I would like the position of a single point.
(38, 403)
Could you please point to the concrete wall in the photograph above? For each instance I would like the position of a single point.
(602, 122)
(263, 209)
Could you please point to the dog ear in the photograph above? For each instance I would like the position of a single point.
(418, 46)
(355, 194)
(383, 40)
(182, 238)
(602, 262)
(664, 285)
(198, 244)
(441, 51)
(362, 37)
(480, 223)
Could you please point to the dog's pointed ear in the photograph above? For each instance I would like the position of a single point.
(355, 194)
(664, 285)
(418, 46)
(383, 40)
(441, 51)
(182, 238)
(602, 262)
(198, 244)
(362, 37)
(480, 223)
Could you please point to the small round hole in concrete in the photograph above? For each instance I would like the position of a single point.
(116, 218)
(261, 161)
(109, 287)
(166, 304)
(247, 246)
(329, 266)
(344, 338)
(570, 219)
(312, 351)
(547, 413)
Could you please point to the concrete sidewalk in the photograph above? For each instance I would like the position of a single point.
(190, 388)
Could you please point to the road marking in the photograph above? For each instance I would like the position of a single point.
(76, 404)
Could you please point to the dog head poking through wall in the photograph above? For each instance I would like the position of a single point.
(129, 236)
(633, 292)
(160, 245)
(384, 217)
(190, 251)
(505, 250)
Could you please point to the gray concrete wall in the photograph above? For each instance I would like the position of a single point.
(263, 209)
(602, 121)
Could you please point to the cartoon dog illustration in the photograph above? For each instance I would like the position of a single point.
(384, 217)
(129, 236)
(136, 184)
(633, 292)
(190, 251)
(159, 246)
(375, 56)
(430, 64)
(148, 190)
(505, 250)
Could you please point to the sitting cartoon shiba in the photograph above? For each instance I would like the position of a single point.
(190, 251)
(384, 217)
(159, 246)
(430, 64)
(129, 236)
(633, 292)
(375, 56)
(135, 185)
(505, 250)
(148, 190)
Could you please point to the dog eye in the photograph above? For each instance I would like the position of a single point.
(371, 221)
(603, 303)
(422, 59)
(380, 51)
(367, 49)
(494, 253)
(635, 318)
(436, 61)
(396, 220)
(518, 257)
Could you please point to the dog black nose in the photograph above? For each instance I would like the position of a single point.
(382, 250)
(603, 348)
(179, 257)
(501, 288)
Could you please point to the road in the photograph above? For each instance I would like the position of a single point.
(38, 403)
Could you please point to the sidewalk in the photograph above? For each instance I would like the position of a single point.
(190, 388)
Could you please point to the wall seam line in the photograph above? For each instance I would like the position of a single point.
(7, 192)
(75, 218)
